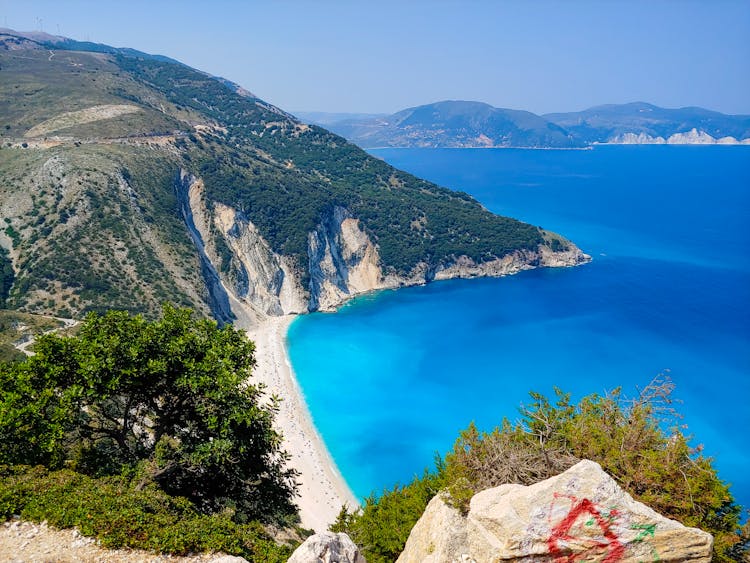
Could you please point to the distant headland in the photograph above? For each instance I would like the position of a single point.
(469, 124)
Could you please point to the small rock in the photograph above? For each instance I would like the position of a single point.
(327, 547)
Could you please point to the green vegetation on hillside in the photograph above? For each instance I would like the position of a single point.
(36, 88)
(285, 176)
(627, 437)
(97, 227)
(6, 275)
(18, 327)
(154, 422)
(89, 200)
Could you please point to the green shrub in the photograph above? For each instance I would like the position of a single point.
(132, 417)
(637, 441)
(119, 515)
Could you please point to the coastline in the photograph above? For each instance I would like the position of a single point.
(323, 491)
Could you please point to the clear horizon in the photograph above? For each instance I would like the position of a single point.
(363, 57)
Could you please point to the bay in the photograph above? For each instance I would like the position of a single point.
(393, 377)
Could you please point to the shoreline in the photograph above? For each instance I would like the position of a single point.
(323, 490)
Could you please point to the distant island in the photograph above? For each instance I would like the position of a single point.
(467, 124)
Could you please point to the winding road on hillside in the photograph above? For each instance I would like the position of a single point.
(24, 346)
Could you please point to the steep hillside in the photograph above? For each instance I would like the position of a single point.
(454, 124)
(127, 180)
(625, 122)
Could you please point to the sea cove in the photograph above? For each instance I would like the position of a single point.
(394, 376)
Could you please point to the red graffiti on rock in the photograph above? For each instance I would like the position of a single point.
(570, 541)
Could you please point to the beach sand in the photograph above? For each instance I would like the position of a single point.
(322, 490)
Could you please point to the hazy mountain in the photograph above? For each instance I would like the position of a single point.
(454, 124)
(610, 123)
(475, 124)
(129, 179)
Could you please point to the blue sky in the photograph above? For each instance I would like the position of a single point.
(383, 56)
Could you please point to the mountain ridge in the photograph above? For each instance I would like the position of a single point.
(455, 123)
(610, 122)
(468, 124)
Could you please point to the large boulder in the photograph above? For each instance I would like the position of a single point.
(579, 515)
(440, 535)
(327, 547)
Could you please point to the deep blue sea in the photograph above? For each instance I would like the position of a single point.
(393, 377)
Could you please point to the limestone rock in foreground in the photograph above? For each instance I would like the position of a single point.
(581, 514)
(327, 547)
(439, 536)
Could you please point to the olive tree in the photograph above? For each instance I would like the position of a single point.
(170, 402)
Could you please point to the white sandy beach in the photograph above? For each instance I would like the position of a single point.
(322, 490)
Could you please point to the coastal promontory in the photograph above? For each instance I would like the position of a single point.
(130, 179)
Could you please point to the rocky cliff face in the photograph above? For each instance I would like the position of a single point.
(343, 261)
(264, 279)
(192, 205)
(579, 515)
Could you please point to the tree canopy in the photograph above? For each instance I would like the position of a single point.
(171, 403)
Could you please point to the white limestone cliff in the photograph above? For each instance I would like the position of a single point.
(343, 261)
(692, 137)
(264, 279)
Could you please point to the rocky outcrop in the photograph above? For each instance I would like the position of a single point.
(439, 536)
(189, 192)
(542, 257)
(343, 261)
(262, 278)
(327, 547)
(581, 514)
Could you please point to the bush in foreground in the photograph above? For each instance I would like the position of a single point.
(147, 434)
(111, 510)
(636, 441)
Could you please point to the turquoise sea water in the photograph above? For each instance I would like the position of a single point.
(394, 376)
